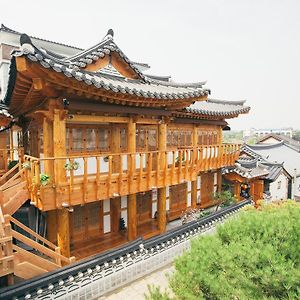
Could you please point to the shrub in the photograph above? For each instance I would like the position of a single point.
(253, 256)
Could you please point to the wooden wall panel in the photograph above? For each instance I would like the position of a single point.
(207, 188)
(178, 200)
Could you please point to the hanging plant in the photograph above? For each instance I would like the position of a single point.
(75, 165)
(44, 179)
(72, 166)
(26, 165)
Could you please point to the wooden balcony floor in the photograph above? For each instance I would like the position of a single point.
(112, 240)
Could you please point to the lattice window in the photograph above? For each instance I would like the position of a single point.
(91, 139)
(123, 139)
(77, 139)
(152, 139)
(77, 215)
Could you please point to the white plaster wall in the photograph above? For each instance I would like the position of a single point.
(189, 200)
(124, 212)
(282, 193)
(154, 204)
(296, 187)
(198, 187)
(168, 198)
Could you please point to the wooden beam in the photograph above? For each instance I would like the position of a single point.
(52, 226)
(131, 217)
(59, 149)
(200, 121)
(194, 194)
(161, 209)
(111, 108)
(63, 232)
(80, 119)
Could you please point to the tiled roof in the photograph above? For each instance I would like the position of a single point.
(258, 171)
(280, 138)
(216, 108)
(148, 88)
(249, 167)
(6, 29)
(4, 111)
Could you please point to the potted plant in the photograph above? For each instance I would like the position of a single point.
(72, 166)
(44, 179)
(26, 165)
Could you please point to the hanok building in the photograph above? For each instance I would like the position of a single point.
(111, 154)
(256, 177)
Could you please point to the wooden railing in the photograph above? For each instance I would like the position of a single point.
(6, 249)
(8, 155)
(40, 244)
(103, 176)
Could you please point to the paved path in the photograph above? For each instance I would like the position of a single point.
(137, 289)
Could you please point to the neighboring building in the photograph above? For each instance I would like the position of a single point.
(273, 138)
(260, 133)
(111, 154)
(269, 178)
(282, 153)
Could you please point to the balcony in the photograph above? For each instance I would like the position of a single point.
(76, 180)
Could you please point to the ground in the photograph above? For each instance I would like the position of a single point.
(137, 289)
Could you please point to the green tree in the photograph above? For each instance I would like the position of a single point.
(255, 255)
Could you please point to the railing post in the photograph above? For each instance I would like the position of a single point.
(149, 170)
(173, 168)
(58, 259)
(98, 170)
(85, 179)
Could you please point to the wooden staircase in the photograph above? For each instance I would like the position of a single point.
(14, 260)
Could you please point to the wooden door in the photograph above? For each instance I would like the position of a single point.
(86, 222)
(178, 200)
(144, 207)
(258, 191)
(207, 188)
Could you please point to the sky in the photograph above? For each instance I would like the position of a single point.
(244, 49)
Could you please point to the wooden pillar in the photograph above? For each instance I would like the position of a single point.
(131, 199)
(48, 145)
(115, 203)
(194, 182)
(59, 143)
(3, 140)
(52, 226)
(11, 144)
(161, 192)
(237, 190)
(63, 231)
(161, 209)
(219, 180)
(194, 194)
(131, 217)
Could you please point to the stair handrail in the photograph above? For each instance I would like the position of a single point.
(8, 173)
(53, 253)
(9, 218)
(6, 184)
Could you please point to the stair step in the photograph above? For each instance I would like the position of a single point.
(28, 270)
(22, 255)
(15, 202)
